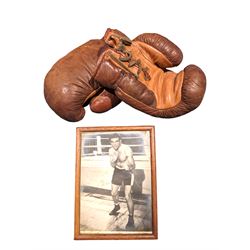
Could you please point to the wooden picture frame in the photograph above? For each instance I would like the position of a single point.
(135, 210)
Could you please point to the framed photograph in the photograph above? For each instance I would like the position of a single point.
(115, 187)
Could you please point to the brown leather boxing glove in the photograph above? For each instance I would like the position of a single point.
(69, 85)
(136, 71)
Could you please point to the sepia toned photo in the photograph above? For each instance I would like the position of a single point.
(115, 183)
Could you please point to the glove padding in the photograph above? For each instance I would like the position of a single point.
(135, 70)
(69, 85)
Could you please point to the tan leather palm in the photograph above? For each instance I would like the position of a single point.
(155, 79)
(136, 70)
(160, 82)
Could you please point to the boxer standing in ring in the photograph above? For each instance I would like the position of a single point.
(121, 159)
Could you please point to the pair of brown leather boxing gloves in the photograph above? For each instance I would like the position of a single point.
(103, 72)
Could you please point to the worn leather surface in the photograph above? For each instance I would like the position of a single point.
(154, 90)
(69, 85)
(163, 52)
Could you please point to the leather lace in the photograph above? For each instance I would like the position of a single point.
(126, 56)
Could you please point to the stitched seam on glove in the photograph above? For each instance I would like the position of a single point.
(148, 38)
(148, 107)
(91, 95)
(145, 47)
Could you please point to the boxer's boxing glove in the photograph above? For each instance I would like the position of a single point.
(136, 71)
(69, 85)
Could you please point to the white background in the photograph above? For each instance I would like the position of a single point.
(202, 158)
